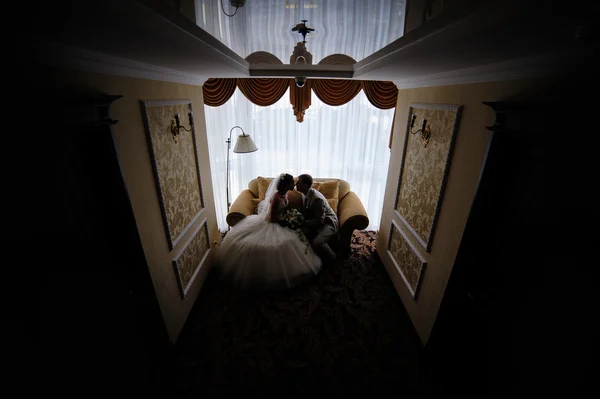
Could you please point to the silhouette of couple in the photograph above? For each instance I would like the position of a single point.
(261, 252)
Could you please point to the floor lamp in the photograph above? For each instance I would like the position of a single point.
(243, 145)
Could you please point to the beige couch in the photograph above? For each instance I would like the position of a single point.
(349, 209)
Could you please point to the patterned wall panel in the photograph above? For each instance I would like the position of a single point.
(188, 263)
(175, 165)
(407, 260)
(425, 168)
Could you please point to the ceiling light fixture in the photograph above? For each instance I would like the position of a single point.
(300, 53)
(233, 3)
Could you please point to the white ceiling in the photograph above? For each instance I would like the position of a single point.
(482, 40)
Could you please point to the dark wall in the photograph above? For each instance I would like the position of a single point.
(517, 316)
(90, 311)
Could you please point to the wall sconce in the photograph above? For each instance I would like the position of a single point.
(176, 126)
(425, 130)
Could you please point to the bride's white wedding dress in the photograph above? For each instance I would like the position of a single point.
(257, 253)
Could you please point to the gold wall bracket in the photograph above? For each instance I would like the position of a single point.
(176, 126)
(425, 130)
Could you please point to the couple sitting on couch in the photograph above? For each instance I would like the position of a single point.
(262, 251)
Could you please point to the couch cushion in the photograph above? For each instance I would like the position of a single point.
(263, 185)
(333, 203)
(331, 191)
(253, 187)
(344, 185)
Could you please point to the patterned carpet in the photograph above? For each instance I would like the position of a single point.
(344, 333)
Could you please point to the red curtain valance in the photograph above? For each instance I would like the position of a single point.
(335, 91)
(263, 91)
(218, 91)
(267, 91)
(381, 94)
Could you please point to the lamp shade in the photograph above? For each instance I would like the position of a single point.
(244, 144)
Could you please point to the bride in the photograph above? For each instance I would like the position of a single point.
(258, 252)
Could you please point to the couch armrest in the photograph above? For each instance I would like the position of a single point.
(351, 210)
(352, 216)
(241, 207)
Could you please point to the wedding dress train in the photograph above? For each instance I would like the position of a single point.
(257, 253)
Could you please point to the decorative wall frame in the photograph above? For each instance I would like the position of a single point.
(407, 259)
(175, 165)
(424, 170)
(190, 259)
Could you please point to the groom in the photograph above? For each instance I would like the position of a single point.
(321, 222)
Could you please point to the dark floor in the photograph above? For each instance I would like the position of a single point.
(342, 334)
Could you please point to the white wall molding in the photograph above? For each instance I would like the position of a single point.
(66, 56)
(538, 66)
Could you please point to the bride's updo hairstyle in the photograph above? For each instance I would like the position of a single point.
(285, 183)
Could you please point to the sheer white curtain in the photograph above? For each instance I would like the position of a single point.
(348, 142)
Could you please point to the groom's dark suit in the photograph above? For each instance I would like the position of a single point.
(321, 222)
